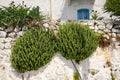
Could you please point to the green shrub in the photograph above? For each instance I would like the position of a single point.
(95, 15)
(33, 50)
(77, 41)
(18, 15)
(113, 6)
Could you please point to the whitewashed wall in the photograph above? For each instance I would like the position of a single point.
(60, 8)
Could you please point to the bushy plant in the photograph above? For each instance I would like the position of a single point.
(95, 15)
(18, 15)
(77, 41)
(13, 16)
(33, 50)
(113, 6)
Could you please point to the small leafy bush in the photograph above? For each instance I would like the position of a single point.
(13, 16)
(77, 41)
(18, 15)
(113, 6)
(95, 15)
(33, 50)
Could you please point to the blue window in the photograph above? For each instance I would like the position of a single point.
(83, 14)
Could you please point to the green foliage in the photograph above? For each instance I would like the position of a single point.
(33, 50)
(34, 14)
(76, 76)
(113, 6)
(77, 41)
(95, 15)
(18, 15)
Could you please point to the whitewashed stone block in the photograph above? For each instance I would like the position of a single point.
(114, 35)
(101, 27)
(7, 46)
(20, 33)
(3, 34)
(12, 35)
(2, 46)
(46, 25)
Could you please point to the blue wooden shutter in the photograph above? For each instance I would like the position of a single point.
(83, 14)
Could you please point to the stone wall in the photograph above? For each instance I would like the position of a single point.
(103, 64)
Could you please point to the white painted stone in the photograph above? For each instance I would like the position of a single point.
(101, 27)
(96, 28)
(114, 35)
(46, 25)
(104, 74)
(9, 29)
(20, 33)
(115, 30)
(115, 58)
(109, 26)
(117, 74)
(90, 23)
(12, 35)
(91, 27)
(113, 39)
(100, 31)
(118, 35)
(106, 36)
(8, 40)
(2, 40)
(107, 30)
(7, 46)
(2, 46)
(3, 34)
(16, 29)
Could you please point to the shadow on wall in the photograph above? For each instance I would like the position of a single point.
(69, 10)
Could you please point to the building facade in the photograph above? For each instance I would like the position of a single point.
(65, 9)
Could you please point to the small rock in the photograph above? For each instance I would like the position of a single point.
(115, 31)
(3, 34)
(7, 46)
(17, 29)
(114, 35)
(109, 26)
(113, 39)
(46, 25)
(107, 30)
(20, 33)
(2, 46)
(106, 36)
(91, 27)
(9, 29)
(8, 40)
(101, 32)
(96, 28)
(2, 40)
(12, 35)
(118, 35)
(110, 34)
(90, 23)
(101, 27)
